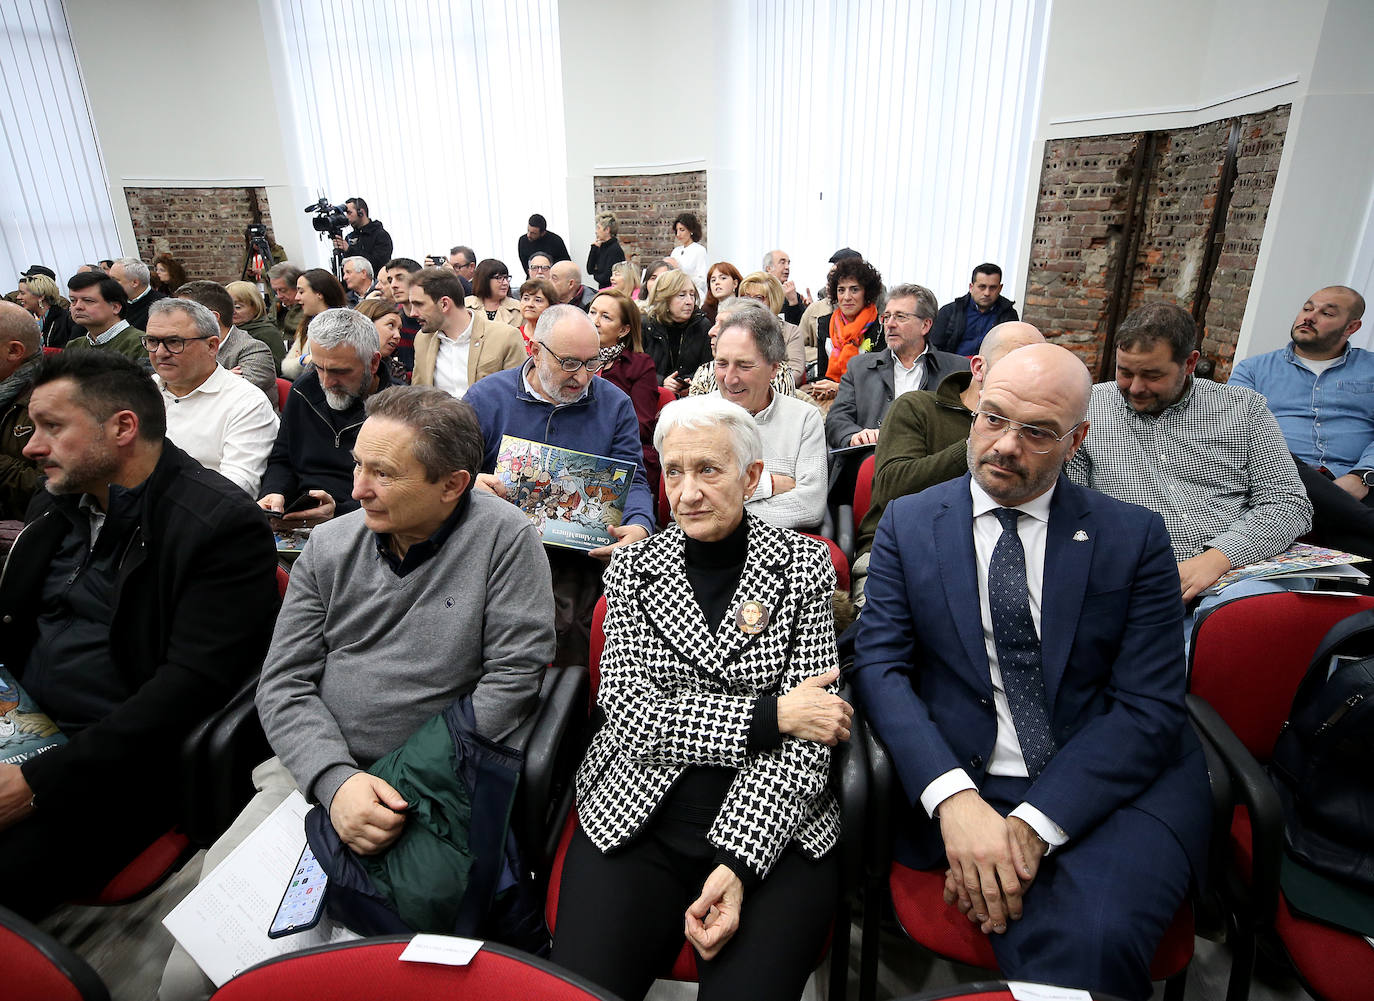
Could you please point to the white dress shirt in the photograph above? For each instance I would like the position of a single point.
(226, 424)
(451, 362)
(904, 379)
(1006, 759)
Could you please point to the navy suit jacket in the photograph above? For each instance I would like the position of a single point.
(1112, 656)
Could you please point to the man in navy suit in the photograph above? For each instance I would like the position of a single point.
(1021, 656)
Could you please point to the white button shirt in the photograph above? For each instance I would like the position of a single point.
(451, 363)
(226, 424)
(904, 380)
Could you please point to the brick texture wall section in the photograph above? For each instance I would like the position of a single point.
(645, 205)
(201, 227)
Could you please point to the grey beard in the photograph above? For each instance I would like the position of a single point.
(339, 399)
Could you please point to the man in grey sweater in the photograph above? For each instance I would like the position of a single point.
(431, 591)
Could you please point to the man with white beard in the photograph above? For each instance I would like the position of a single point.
(319, 425)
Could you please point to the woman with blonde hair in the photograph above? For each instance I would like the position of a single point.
(606, 250)
(676, 332)
(250, 316)
(765, 288)
(38, 294)
(625, 278)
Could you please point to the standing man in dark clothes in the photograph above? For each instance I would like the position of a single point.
(962, 324)
(141, 594)
(538, 237)
(368, 238)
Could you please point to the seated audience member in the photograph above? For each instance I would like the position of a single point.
(137, 600)
(457, 345)
(133, 275)
(749, 355)
(675, 331)
(876, 378)
(398, 274)
(722, 282)
(1322, 392)
(250, 316)
(552, 398)
(704, 379)
(357, 279)
(38, 294)
(491, 293)
(105, 264)
(689, 253)
(539, 266)
(1206, 456)
(463, 261)
(537, 238)
(779, 264)
(316, 291)
(536, 295)
(215, 417)
(962, 324)
(625, 278)
(98, 303)
(286, 313)
(606, 251)
(168, 274)
(386, 317)
(811, 316)
(651, 275)
(314, 449)
(19, 358)
(239, 353)
(709, 787)
(566, 278)
(427, 565)
(625, 364)
(925, 437)
(855, 288)
(1049, 744)
(765, 288)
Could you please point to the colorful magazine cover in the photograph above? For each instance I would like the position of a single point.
(572, 497)
(1298, 560)
(25, 730)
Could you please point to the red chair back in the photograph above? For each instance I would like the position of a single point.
(283, 580)
(665, 511)
(665, 397)
(283, 390)
(1248, 656)
(863, 490)
(52, 351)
(38, 966)
(837, 558)
(371, 968)
(598, 643)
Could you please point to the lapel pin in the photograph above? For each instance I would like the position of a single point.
(751, 617)
(1080, 536)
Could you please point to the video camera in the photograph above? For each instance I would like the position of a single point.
(329, 219)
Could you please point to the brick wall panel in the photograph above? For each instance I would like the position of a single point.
(645, 205)
(203, 228)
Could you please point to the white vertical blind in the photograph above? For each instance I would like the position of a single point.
(901, 128)
(447, 118)
(54, 204)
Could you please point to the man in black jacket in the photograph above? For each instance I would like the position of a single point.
(138, 598)
(367, 239)
(962, 324)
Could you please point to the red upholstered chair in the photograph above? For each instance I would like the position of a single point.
(283, 390)
(1247, 658)
(665, 397)
(283, 580)
(851, 515)
(52, 351)
(370, 968)
(38, 967)
(837, 557)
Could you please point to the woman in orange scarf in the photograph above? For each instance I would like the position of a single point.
(854, 290)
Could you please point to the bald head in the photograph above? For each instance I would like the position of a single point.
(564, 333)
(18, 337)
(1053, 376)
(567, 278)
(1006, 337)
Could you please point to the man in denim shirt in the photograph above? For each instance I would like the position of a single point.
(1322, 392)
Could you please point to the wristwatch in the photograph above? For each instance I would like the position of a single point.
(1366, 476)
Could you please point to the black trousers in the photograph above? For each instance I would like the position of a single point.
(620, 917)
(1339, 521)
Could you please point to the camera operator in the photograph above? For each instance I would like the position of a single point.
(368, 238)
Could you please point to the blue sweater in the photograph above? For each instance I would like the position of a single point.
(602, 422)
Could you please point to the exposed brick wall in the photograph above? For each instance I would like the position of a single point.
(201, 227)
(644, 206)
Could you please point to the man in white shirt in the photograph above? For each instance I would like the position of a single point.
(456, 345)
(242, 354)
(219, 419)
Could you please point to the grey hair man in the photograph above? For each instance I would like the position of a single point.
(313, 454)
(239, 352)
(133, 275)
(288, 313)
(778, 264)
(358, 278)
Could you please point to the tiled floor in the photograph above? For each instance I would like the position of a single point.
(127, 946)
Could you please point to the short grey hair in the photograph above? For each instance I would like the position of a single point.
(448, 436)
(711, 410)
(768, 259)
(763, 326)
(608, 220)
(555, 315)
(346, 326)
(206, 323)
(926, 303)
(359, 264)
(135, 269)
(286, 271)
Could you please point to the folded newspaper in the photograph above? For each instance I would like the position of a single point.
(1299, 560)
(572, 497)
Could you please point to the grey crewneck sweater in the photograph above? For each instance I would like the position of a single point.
(360, 657)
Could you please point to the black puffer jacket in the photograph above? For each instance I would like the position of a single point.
(679, 348)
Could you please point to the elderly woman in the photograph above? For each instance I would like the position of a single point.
(628, 367)
(536, 295)
(689, 253)
(749, 354)
(606, 251)
(491, 293)
(766, 288)
(703, 799)
(250, 316)
(316, 291)
(675, 331)
(722, 282)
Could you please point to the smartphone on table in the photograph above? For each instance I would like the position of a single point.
(302, 905)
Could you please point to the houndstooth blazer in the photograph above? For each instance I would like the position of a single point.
(675, 694)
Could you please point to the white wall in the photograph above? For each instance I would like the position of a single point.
(182, 95)
(1119, 66)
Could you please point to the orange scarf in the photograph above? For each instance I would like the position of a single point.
(846, 339)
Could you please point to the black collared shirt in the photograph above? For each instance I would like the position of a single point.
(420, 553)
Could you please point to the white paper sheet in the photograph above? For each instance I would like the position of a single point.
(447, 950)
(1023, 991)
(222, 923)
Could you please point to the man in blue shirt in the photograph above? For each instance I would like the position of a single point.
(961, 325)
(1322, 392)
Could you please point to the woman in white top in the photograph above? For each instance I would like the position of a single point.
(689, 253)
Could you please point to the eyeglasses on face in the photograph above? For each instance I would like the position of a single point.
(175, 345)
(1039, 440)
(592, 365)
(897, 317)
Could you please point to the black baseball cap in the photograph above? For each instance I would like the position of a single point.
(38, 269)
(844, 254)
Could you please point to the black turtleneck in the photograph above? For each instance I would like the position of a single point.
(714, 569)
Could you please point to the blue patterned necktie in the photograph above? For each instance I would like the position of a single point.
(1018, 645)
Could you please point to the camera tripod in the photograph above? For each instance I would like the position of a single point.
(257, 247)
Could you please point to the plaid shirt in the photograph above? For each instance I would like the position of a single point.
(1214, 466)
